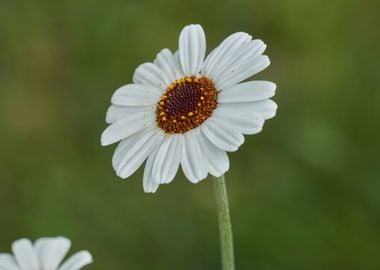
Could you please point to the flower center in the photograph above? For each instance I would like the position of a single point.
(186, 104)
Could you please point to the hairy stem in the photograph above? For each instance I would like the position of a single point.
(225, 230)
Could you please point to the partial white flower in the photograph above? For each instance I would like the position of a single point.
(45, 254)
(185, 110)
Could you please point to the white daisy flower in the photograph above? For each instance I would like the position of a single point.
(45, 254)
(185, 110)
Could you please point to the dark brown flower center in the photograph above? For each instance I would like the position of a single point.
(186, 104)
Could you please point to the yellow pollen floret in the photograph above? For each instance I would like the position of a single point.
(190, 114)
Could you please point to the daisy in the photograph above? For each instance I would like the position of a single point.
(185, 109)
(45, 254)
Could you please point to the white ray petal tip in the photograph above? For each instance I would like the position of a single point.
(272, 85)
(63, 239)
(121, 173)
(86, 257)
(196, 181)
(245, 34)
(215, 174)
(151, 191)
(104, 141)
(194, 26)
(150, 188)
(265, 59)
(20, 243)
(273, 111)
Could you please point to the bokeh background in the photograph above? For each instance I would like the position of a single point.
(304, 193)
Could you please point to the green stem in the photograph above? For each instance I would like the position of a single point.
(225, 230)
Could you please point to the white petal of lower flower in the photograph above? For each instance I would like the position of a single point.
(247, 92)
(169, 64)
(151, 75)
(167, 161)
(127, 126)
(7, 262)
(229, 44)
(77, 261)
(117, 112)
(233, 58)
(217, 158)
(25, 255)
(51, 251)
(133, 151)
(136, 95)
(232, 117)
(241, 71)
(193, 161)
(192, 49)
(226, 139)
(46, 254)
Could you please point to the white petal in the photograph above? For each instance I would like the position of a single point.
(7, 262)
(169, 64)
(127, 126)
(193, 161)
(25, 255)
(51, 251)
(117, 112)
(232, 58)
(177, 63)
(229, 44)
(151, 75)
(266, 108)
(149, 184)
(136, 95)
(168, 158)
(217, 158)
(248, 91)
(232, 117)
(192, 49)
(241, 71)
(133, 151)
(77, 261)
(125, 145)
(226, 139)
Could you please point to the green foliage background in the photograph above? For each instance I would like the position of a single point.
(304, 193)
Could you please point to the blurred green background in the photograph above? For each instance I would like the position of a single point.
(304, 193)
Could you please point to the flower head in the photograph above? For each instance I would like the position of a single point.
(45, 254)
(185, 110)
